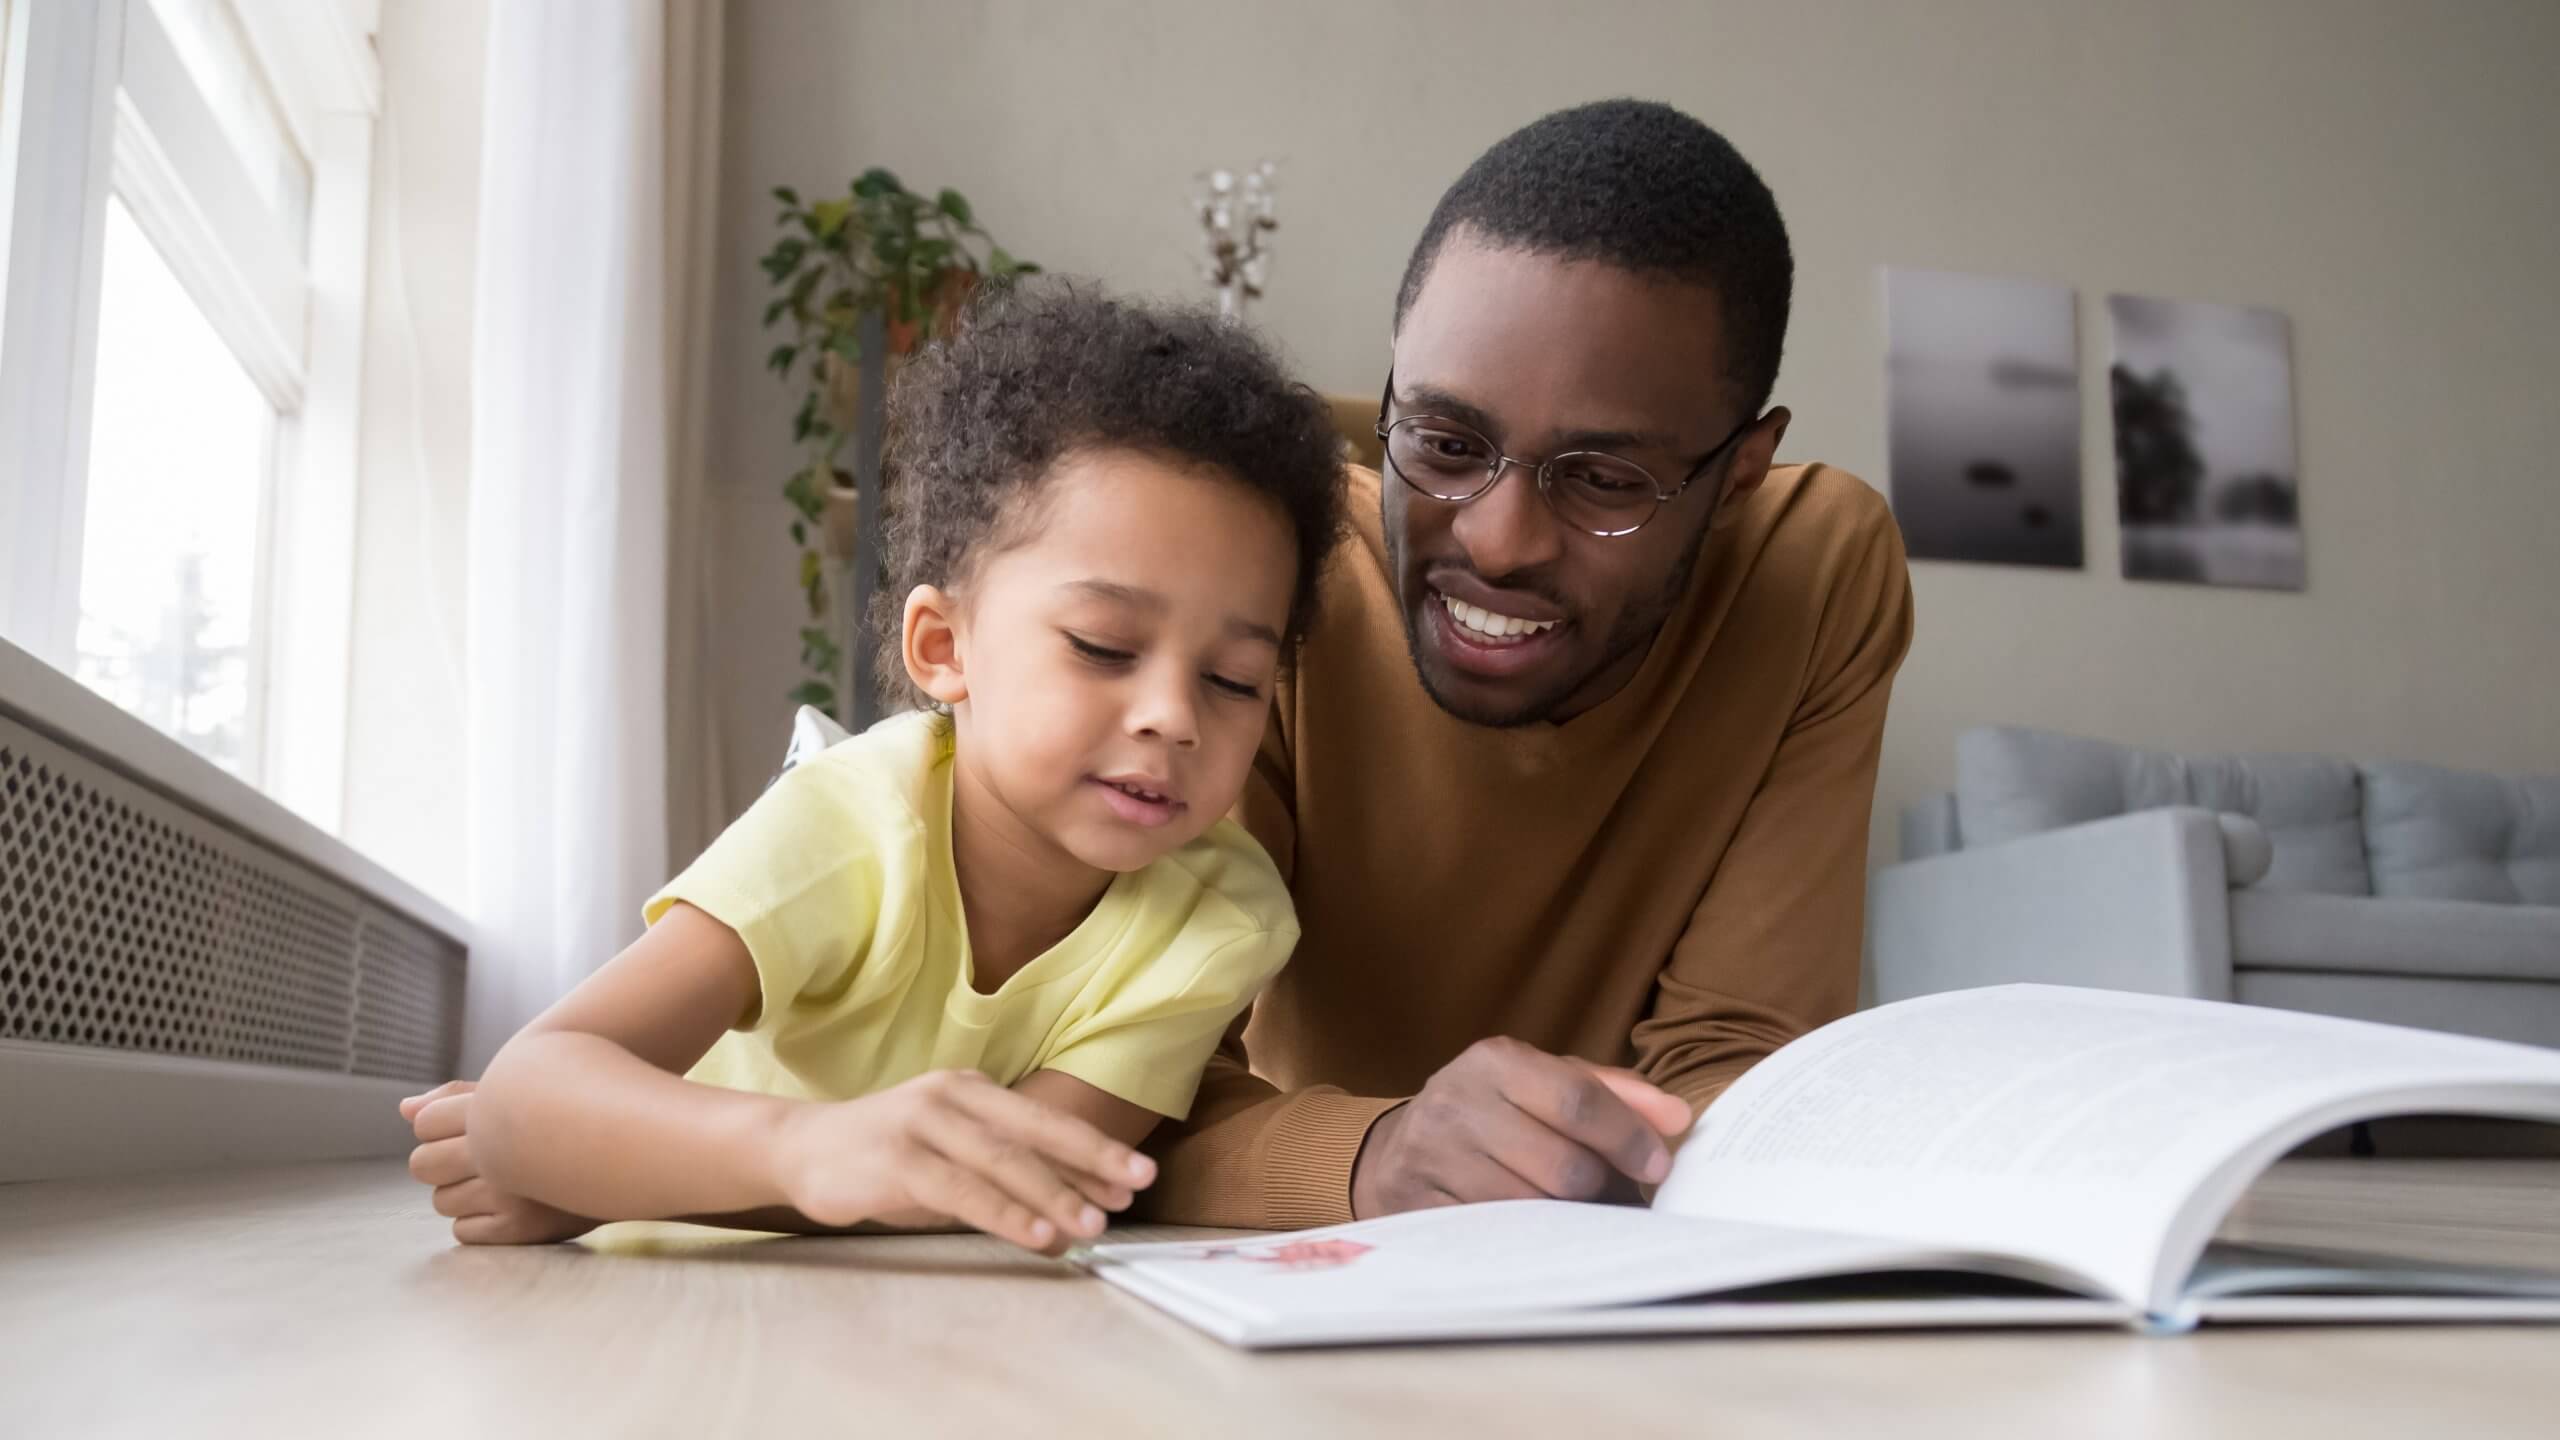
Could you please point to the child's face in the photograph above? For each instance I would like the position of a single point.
(1114, 671)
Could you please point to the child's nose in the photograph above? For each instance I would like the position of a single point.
(1165, 711)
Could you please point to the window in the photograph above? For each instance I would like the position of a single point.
(180, 442)
(184, 248)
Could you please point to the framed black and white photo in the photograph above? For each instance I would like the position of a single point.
(1982, 382)
(2206, 488)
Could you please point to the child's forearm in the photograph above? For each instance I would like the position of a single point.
(577, 1122)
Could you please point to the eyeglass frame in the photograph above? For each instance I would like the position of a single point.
(1546, 492)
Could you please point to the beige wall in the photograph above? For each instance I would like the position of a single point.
(404, 714)
(2383, 172)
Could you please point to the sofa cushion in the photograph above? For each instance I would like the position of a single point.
(2012, 782)
(2457, 835)
(2452, 939)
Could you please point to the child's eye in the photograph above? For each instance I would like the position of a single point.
(1099, 654)
(1240, 689)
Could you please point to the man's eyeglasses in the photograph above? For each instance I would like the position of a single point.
(1590, 490)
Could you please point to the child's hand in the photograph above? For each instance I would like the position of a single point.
(481, 1213)
(955, 1143)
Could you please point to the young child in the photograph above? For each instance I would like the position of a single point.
(957, 967)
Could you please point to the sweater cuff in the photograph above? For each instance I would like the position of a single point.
(1308, 1155)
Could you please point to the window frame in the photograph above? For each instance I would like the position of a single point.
(93, 102)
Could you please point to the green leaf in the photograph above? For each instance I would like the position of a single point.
(786, 194)
(1025, 267)
(802, 423)
(829, 216)
(848, 348)
(814, 692)
(786, 256)
(889, 246)
(1001, 262)
(877, 181)
(775, 310)
(799, 532)
(810, 574)
(779, 362)
(955, 205)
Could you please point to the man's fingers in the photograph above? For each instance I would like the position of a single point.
(443, 1119)
(1667, 1113)
(1477, 1178)
(1535, 1157)
(1056, 1134)
(410, 1107)
(442, 1162)
(1568, 1098)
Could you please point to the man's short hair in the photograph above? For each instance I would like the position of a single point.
(1641, 186)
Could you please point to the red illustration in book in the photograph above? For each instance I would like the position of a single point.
(1289, 1254)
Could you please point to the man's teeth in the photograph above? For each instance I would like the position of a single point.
(1484, 622)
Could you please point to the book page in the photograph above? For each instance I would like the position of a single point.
(2063, 1124)
(1423, 1271)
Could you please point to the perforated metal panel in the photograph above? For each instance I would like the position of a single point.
(130, 922)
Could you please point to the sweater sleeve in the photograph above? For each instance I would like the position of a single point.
(1772, 949)
(1249, 1154)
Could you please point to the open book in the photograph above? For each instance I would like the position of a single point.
(2020, 1155)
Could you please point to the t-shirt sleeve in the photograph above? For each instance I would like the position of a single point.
(799, 877)
(1150, 1035)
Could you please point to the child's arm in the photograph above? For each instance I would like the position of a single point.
(586, 1110)
(1122, 1121)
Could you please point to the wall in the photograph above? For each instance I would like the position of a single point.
(404, 714)
(2381, 171)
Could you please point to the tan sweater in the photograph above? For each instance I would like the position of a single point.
(1672, 880)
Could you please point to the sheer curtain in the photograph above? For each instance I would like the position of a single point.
(589, 366)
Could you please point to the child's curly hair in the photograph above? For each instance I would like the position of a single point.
(1037, 369)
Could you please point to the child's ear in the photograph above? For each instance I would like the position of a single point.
(930, 641)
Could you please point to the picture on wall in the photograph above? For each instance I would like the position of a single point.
(1982, 382)
(2205, 481)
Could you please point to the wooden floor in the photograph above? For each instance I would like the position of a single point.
(326, 1300)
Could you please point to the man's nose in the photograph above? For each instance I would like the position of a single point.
(1509, 529)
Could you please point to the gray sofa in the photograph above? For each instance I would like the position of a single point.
(2396, 892)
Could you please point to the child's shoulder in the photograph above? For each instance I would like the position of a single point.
(1228, 881)
(863, 791)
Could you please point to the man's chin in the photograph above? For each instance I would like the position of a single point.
(1499, 703)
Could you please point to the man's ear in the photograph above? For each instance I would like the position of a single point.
(1755, 452)
(929, 640)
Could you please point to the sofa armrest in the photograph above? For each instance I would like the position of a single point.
(2131, 902)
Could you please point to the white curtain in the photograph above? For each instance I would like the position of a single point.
(587, 380)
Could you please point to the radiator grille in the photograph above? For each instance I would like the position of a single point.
(130, 922)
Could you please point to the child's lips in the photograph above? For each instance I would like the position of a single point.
(1140, 800)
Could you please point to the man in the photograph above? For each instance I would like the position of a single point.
(1572, 781)
(1576, 769)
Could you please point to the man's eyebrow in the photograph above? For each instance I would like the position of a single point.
(1432, 400)
(1138, 598)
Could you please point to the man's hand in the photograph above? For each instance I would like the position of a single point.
(1507, 1121)
(481, 1213)
(955, 1143)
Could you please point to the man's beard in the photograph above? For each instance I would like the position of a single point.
(1636, 628)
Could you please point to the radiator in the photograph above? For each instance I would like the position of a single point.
(133, 923)
(157, 955)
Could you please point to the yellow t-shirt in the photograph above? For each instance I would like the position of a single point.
(840, 881)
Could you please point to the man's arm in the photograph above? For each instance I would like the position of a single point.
(1772, 949)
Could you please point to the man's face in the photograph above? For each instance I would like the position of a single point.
(1543, 356)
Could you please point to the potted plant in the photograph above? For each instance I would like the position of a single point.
(879, 250)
